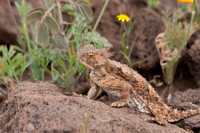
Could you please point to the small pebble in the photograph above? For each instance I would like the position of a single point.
(30, 127)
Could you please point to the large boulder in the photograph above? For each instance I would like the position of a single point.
(42, 107)
(193, 60)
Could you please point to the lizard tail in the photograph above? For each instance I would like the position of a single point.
(176, 115)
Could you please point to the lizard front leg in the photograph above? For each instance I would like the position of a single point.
(94, 91)
(116, 87)
(125, 94)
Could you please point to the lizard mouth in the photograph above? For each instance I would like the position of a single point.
(88, 66)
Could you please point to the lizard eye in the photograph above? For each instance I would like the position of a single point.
(90, 55)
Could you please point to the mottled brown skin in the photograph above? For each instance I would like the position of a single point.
(120, 81)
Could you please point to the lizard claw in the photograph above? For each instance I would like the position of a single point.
(118, 104)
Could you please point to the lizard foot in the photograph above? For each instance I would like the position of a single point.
(118, 104)
(77, 95)
(157, 120)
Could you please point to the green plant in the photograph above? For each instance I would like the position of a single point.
(126, 51)
(66, 70)
(48, 33)
(84, 125)
(152, 3)
(40, 59)
(12, 64)
(170, 44)
(98, 19)
(187, 13)
(48, 39)
(51, 47)
(197, 13)
(24, 38)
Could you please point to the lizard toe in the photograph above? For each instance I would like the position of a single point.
(118, 104)
(157, 120)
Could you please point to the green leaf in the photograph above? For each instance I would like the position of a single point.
(69, 30)
(97, 38)
(35, 15)
(11, 51)
(69, 72)
(31, 60)
(11, 63)
(60, 41)
(86, 8)
(18, 6)
(68, 8)
(53, 43)
(71, 58)
(36, 69)
(16, 60)
(52, 25)
(42, 35)
(131, 26)
(56, 72)
(83, 8)
(18, 49)
(62, 64)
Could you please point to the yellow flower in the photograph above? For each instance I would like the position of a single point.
(185, 0)
(123, 17)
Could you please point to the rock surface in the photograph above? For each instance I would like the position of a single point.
(193, 60)
(8, 32)
(186, 100)
(148, 25)
(42, 107)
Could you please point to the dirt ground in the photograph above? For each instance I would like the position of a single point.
(43, 107)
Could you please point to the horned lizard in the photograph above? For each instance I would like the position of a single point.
(120, 81)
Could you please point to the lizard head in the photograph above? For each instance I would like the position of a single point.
(91, 57)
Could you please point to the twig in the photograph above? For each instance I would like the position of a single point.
(67, 23)
(61, 22)
(47, 12)
(60, 19)
(69, 36)
(98, 19)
